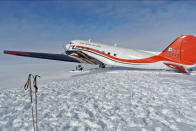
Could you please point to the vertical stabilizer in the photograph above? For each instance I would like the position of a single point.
(172, 52)
(182, 50)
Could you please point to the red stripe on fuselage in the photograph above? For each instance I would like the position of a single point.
(152, 59)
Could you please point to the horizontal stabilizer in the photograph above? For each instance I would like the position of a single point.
(179, 67)
(59, 57)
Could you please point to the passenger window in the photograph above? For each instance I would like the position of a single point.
(114, 54)
(108, 53)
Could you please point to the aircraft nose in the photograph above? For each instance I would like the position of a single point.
(67, 46)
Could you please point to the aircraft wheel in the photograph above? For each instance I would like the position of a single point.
(102, 66)
(79, 68)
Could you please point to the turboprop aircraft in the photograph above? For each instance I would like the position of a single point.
(180, 55)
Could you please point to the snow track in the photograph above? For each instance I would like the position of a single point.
(106, 100)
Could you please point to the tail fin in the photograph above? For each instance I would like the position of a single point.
(182, 50)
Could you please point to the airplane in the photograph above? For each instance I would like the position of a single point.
(179, 55)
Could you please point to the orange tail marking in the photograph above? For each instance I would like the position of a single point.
(182, 50)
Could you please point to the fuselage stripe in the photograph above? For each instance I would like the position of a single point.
(152, 59)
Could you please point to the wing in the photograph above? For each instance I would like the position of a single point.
(59, 57)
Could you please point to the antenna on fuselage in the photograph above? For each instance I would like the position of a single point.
(89, 40)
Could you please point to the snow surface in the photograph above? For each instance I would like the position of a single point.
(101, 99)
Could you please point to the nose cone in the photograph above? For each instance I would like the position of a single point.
(67, 46)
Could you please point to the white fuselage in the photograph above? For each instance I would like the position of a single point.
(89, 48)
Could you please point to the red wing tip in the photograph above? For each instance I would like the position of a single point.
(5, 51)
(16, 53)
(9, 52)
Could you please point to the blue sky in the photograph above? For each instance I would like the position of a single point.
(45, 26)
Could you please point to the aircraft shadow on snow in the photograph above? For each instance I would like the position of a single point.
(109, 69)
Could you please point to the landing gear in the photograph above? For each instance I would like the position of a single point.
(102, 66)
(79, 68)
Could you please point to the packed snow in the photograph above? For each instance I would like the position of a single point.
(102, 99)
